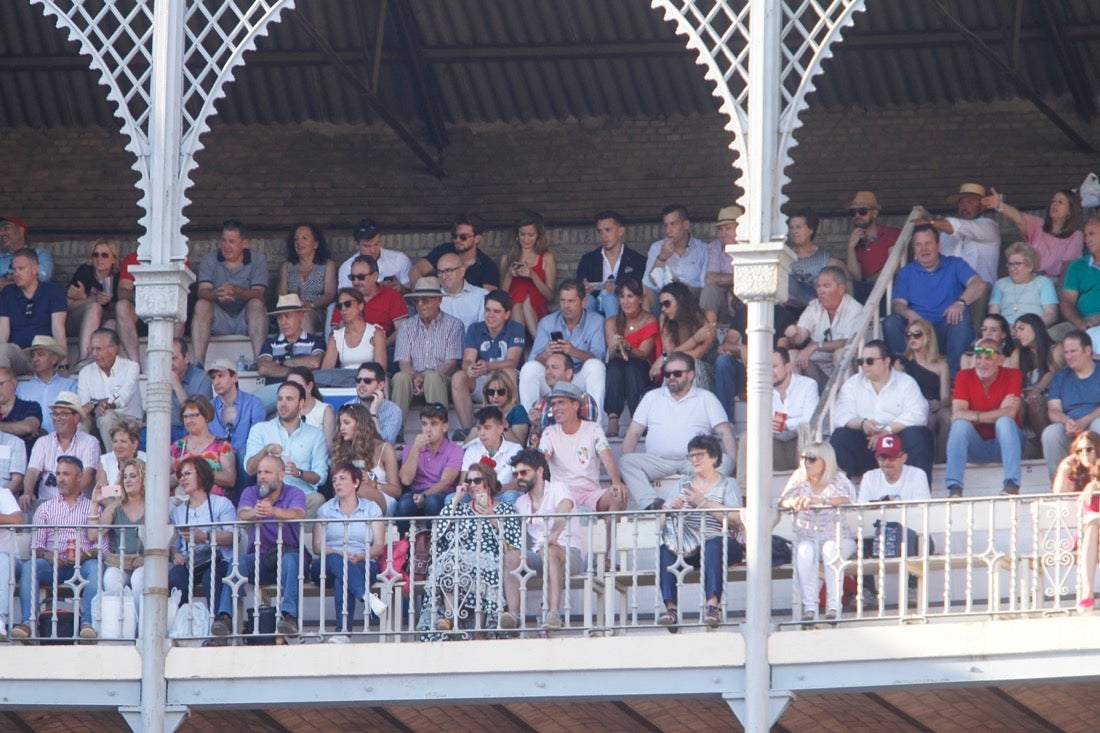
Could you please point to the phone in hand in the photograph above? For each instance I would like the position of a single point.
(482, 501)
(112, 491)
(557, 336)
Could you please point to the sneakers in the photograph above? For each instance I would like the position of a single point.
(552, 622)
(221, 625)
(1011, 489)
(338, 639)
(87, 632)
(509, 620)
(21, 632)
(808, 616)
(444, 624)
(712, 617)
(286, 626)
(954, 491)
(831, 615)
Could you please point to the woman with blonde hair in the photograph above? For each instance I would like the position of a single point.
(358, 443)
(92, 295)
(529, 272)
(923, 362)
(1079, 472)
(121, 518)
(821, 536)
(500, 392)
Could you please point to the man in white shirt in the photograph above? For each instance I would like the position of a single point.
(393, 266)
(893, 480)
(460, 299)
(794, 399)
(879, 401)
(490, 444)
(108, 387)
(673, 414)
(824, 328)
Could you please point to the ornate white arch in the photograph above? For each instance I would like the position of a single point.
(118, 39)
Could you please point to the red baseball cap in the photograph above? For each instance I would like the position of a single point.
(889, 445)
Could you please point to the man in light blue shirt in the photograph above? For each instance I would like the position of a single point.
(574, 331)
(302, 448)
(45, 384)
(235, 412)
(678, 257)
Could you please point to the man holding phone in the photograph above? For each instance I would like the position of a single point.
(370, 391)
(393, 266)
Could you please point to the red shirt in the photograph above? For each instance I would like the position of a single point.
(968, 386)
(384, 309)
(872, 255)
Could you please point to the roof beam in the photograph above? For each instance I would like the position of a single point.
(1022, 87)
(409, 32)
(370, 97)
(1069, 59)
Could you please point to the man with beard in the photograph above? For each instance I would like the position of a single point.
(869, 243)
(466, 234)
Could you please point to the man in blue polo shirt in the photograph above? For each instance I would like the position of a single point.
(939, 289)
(493, 343)
(1073, 400)
(28, 308)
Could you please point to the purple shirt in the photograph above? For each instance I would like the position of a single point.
(291, 498)
(429, 465)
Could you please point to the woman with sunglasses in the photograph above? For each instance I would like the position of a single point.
(309, 271)
(1024, 290)
(122, 518)
(528, 271)
(821, 536)
(500, 392)
(633, 344)
(196, 414)
(464, 581)
(358, 443)
(92, 295)
(701, 537)
(922, 361)
(994, 327)
(1039, 358)
(1079, 472)
(687, 328)
(355, 342)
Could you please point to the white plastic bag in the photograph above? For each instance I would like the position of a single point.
(192, 619)
(174, 599)
(118, 617)
(1090, 191)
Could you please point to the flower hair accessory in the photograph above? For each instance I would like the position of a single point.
(486, 460)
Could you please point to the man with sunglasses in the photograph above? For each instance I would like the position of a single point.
(460, 299)
(986, 425)
(869, 243)
(879, 401)
(465, 239)
(40, 480)
(393, 265)
(1073, 399)
(673, 415)
(29, 307)
(382, 306)
(370, 391)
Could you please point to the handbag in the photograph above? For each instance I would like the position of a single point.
(115, 560)
(681, 536)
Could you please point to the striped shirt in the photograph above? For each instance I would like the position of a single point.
(50, 532)
(428, 346)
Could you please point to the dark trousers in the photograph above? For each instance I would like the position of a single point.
(855, 458)
(715, 572)
(627, 381)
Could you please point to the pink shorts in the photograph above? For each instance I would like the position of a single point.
(587, 497)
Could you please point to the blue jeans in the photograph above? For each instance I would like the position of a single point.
(965, 444)
(714, 575)
(178, 577)
(41, 572)
(353, 587)
(604, 302)
(432, 506)
(288, 582)
(729, 381)
(953, 340)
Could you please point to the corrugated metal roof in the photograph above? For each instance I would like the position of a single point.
(524, 60)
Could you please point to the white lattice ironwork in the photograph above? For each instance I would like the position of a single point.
(719, 31)
(117, 36)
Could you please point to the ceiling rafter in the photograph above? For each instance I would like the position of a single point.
(424, 81)
(1069, 60)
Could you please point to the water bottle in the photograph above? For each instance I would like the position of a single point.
(242, 365)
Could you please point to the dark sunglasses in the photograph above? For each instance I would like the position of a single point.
(860, 212)
(359, 276)
(913, 334)
(496, 392)
(463, 237)
(103, 255)
(475, 481)
(347, 303)
(365, 380)
(868, 360)
(675, 373)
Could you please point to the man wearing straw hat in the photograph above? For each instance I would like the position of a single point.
(40, 481)
(869, 243)
(718, 281)
(428, 350)
(293, 346)
(44, 355)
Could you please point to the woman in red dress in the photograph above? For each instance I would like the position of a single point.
(529, 272)
(633, 343)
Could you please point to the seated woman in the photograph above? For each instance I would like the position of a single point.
(358, 443)
(121, 518)
(464, 581)
(1079, 472)
(922, 362)
(92, 295)
(708, 489)
(1039, 358)
(352, 344)
(196, 414)
(687, 328)
(309, 271)
(315, 411)
(125, 437)
(809, 259)
(633, 344)
(204, 538)
(994, 326)
(348, 545)
(500, 392)
(528, 272)
(812, 492)
(1024, 290)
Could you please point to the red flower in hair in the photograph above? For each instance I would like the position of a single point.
(486, 460)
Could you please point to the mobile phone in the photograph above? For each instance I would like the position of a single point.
(390, 279)
(111, 491)
(557, 336)
(482, 500)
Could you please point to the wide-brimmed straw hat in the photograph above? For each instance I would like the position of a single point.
(967, 189)
(426, 287)
(288, 303)
(865, 200)
(46, 343)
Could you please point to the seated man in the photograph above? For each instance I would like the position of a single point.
(29, 307)
(481, 270)
(985, 419)
(18, 417)
(554, 545)
(559, 368)
(269, 504)
(1073, 399)
(65, 547)
(108, 387)
(40, 481)
(879, 401)
(679, 256)
(824, 328)
(601, 269)
(382, 305)
(370, 391)
(794, 399)
(187, 381)
(869, 244)
(232, 283)
(393, 265)
(571, 447)
(491, 445)
(302, 448)
(893, 480)
(494, 343)
(673, 414)
(1080, 298)
(235, 412)
(430, 465)
(44, 356)
(460, 299)
(938, 289)
(717, 292)
(292, 346)
(429, 348)
(574, 331)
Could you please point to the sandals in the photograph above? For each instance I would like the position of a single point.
(668, 619)
(712, 617)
